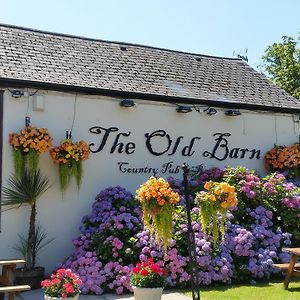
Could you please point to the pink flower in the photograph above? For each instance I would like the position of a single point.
(63, 283)
(45, 283)
(56, 281)
(69, 288)
(60, 272)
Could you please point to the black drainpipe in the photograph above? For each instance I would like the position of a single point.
(1, 143)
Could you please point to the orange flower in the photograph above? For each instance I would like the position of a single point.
(212, 197)
(69, 150)
(222, 193)
(282, 157)
(158, 190)
(207, 185)
(30, 137)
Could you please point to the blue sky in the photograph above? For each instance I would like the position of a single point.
(212, 27)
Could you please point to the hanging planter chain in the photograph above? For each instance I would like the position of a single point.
(27, 121)
(68, 135)
(191, 238)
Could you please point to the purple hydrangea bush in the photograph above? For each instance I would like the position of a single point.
(106, 249)
(113, 240)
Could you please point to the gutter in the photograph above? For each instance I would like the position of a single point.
(142, 96)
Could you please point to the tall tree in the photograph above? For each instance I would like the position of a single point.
(281, 63)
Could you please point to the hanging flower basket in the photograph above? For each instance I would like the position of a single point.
(284, 158)
(214, 204)
(158, 203)
(27, 146)
(69, 157)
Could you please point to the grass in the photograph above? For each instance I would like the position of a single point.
(263, 290)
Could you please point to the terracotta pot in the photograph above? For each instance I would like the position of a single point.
(147, 293)
(46, 297)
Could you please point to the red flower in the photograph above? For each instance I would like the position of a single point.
(155, 268)
(144, 272)
(135, 270)
(150, 260)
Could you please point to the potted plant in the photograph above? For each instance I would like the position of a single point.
(148, 280)
(64, 284)
(69, 156)
(27, 145)
(21, 191)
(214, 204)
(158, 204)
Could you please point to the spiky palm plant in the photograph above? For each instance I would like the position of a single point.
(25, 190)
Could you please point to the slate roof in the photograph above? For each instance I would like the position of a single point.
(36, 57)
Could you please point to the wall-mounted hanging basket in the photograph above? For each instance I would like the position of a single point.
(69, 156)
(27, 146)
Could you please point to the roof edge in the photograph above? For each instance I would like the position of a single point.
(6, 83)
(112, 42)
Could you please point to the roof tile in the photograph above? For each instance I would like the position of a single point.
(31, 55)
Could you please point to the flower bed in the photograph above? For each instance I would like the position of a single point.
(112, 239)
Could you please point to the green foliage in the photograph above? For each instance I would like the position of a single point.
(281, 62)
(271, 290)
(236, 177)
(103, 245)
(148, 275)
(209, 220)
(163, 223)
(270, 191)
(18, 162)
(32, 160)
(78, 172)
(25, 190)
(67, 171)
(22, 161)
(214, 203)
(160, 221)
(283, 216)
(39, 242)
(152, 280)
(102, 240)
(64, 176)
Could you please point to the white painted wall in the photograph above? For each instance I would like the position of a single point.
(61, 215)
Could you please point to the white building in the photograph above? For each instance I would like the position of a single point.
(65, 82)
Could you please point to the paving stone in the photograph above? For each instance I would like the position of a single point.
(167, 295)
